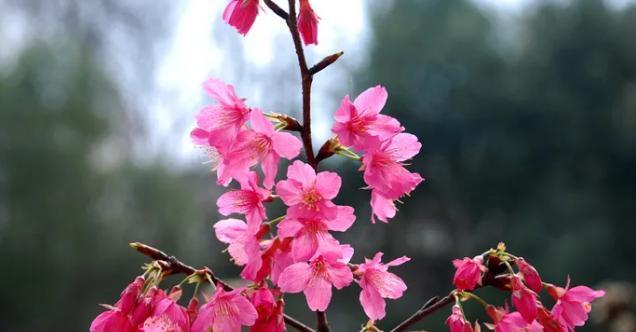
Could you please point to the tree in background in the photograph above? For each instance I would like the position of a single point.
(528, 130)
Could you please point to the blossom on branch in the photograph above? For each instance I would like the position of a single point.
(225, 312)
(378, 284)
(241, 14)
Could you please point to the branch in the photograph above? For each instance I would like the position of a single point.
(324, 63)
(323, 325)
(307, 79)
(430, 307)
(171, 265)
(276, 9)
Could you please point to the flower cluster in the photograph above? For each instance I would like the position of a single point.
(241, 14)
(385, 147)
(570, 310)
(297, 252)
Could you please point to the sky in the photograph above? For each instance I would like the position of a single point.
(199, 46)
(192, 57)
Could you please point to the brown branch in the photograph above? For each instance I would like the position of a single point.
(323, 324)
(324, 63)
(276, 9)
(307, 79)
(430, 307)
(171, 265)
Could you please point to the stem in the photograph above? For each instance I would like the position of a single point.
(323, 325)
(276, 9)
(171, 265)
(307, 79)
(430, 307)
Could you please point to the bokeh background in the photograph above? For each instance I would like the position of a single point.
(526, 111)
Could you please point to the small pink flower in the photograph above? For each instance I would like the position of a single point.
(530, 275)
(514, 322)
(573, 304)
(379, 284)
(361, 120)
(218, 125)
(270, 312)
(524, 299)
(130, 296)
(262, 144)
(311, 233)
(161, 324)
(118, 317)
(382, 207)
(468, 273)
(385, 174)
(243, 246)
(248, 201)
(241, 14)
(112, 320)
(170, 311)
(457, 322)
(549, 322)
(316, 278)
(308, 23)
(307, 193)
(225, 312)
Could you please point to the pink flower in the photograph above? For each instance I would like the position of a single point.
(382, 207)
(117, 318)
(379, 284)
(361, 120)
(530, 275)
(241, 14)
(308, 23)
(311, 233)
(383, 165)
(307, 193)
(549, 323)
(514, 322)
(385, 174)
(468, 273)
(270, 312)
(130, 296)
(457, 322)
(169, 312)
(260, 144)
(112, 320)
(243, 245)
(248, 201)
(219, 125)
(225, 312)
(316, 278)
(524, 299)
(573, 304)
(161, 324)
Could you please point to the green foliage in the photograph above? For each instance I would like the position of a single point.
(530, 141)
(67, 211)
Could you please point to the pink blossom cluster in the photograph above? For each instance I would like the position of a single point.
(570, 310)
(297, 252)
(241, 14)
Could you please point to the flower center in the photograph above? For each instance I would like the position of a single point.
(311, 197)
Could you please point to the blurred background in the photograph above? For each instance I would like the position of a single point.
(526, 111)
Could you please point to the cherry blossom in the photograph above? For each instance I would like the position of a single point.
(378, 284)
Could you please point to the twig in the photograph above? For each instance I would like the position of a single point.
(276, 9)
(323, 324)
(430, 307)
(171, 265)
(307, 79)
(324, 63)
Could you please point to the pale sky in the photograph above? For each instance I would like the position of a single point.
(194, 55)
